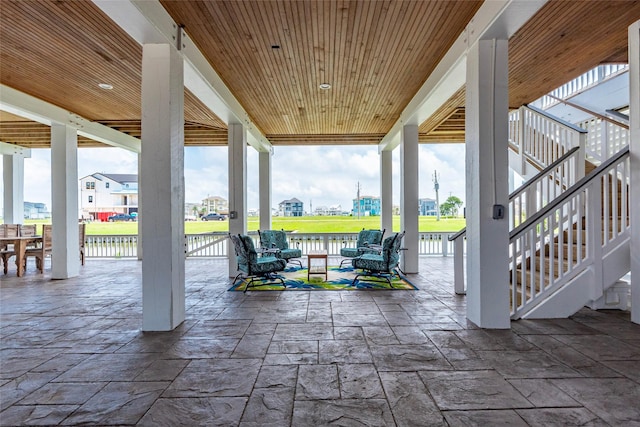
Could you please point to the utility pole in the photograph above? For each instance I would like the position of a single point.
(358, 197)
(436, 186)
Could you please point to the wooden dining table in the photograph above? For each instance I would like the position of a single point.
(20, 245)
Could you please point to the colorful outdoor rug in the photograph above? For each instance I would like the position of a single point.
(339, 279)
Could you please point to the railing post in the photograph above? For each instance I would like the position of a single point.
(458, 266)
(581, 156)
(522, 140)
(444, 238)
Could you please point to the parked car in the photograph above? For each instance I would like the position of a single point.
(213, 217)
(121, 217)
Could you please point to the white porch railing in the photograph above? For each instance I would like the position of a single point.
(216, 244)
(570, 235)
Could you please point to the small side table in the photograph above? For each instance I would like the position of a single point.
(318, 268)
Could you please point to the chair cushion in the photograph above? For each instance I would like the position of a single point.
(268, 265)
(370, 262)
(290, 253)
(349, 252)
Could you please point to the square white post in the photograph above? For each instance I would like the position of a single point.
(237, 140)
(409, 197)
(634, 148)
(487, 184)
(161, 187)
(139, 217)
(13, 177)
(264, 171)
(386, 191)
(65, 250)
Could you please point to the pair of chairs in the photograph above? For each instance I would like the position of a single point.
(368, 241)
(275, 241)
(382, 265)
(255, 269)
(39, 252)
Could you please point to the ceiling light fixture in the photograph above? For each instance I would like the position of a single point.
(105, 86)
(324, 86)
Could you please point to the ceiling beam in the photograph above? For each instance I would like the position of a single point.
(14, 150)
(146, 21)
(29, 107)
(498, 19)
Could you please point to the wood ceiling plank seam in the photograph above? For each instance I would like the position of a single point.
(303, 57)
(374, 41)
(344, 30)
(247, 20)
(404, 56)
(243, 42)
(315, 47)
(328, 118)
(385, 97)
(268, 11)
(363, 34)
(283, 84)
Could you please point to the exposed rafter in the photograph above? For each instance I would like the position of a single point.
(29, 107)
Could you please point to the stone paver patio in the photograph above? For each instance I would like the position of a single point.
(72, 353)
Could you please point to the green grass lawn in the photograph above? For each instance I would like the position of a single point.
(305, 224)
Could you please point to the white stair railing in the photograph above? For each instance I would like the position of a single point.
(604, 139)
(540, 139)
(570, 235)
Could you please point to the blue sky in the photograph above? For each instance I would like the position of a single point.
(323, 175)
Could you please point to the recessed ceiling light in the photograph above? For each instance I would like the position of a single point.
(105, 86)
(324, 86)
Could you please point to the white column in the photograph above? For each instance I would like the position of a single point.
(13, 177)
(161, 187)
(409, 197)
(487, 184)
(237, 140)
(386, 192)
(264, 171)
(634, 147)
(65, 250)
(139, 218)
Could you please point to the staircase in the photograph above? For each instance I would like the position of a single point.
(570, 228)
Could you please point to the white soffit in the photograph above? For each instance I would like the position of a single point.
(146, 21)
(32, 108)
(497, 19)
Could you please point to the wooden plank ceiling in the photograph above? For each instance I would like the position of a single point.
(375, 54)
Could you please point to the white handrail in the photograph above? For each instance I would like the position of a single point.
(574, 233)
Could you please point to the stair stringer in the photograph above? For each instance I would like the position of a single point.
(585, 287)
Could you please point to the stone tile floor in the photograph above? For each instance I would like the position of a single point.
(72, 353)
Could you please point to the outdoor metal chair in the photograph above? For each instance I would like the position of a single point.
(368, 242)
(277, 239)
(254, 268)
(380, 266)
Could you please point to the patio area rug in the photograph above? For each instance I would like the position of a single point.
(339, 279)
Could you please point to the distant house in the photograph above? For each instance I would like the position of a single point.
(102, 194)
(36, 211)
(368, 206)
(292, 207)
(427, 207)
(215, 204)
